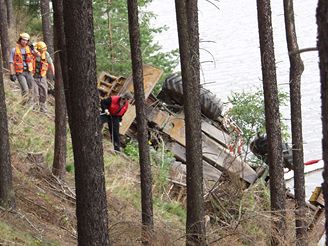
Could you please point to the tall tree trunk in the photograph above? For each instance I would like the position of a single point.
(91, 204)
(61, 45)
(277, 182)
(7, 195)
(110, 34)
(5, 48)
(144, 157)
(10, 14)
(295, 73)
(46, 26)
(187, 23)
(322, 21)
(59, 162)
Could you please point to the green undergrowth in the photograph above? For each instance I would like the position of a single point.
(127, 184)
(33, 132)
(12, 236)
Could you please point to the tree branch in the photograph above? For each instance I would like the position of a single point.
(302, 50)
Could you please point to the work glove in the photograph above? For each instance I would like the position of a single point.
(13, 77)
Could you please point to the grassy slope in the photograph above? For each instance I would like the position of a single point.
(45, 211)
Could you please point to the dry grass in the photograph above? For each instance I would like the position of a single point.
(46, 207)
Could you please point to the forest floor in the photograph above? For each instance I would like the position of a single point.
(45, 205)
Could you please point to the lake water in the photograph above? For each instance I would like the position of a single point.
(230, 53)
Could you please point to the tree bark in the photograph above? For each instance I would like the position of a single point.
(10, 14)
(91, 204)
(187, 23)
(277, 182)
(322, 43)
(5, 48)
(59, 162)
(7, 194)
(46, 26)
(295, 73)
(61, 45)
(144, 157)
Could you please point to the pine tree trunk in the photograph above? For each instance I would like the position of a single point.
(91, 203)
(322, 21)
(10, 14)
(7, 195)
(187, 23)
(46, 26)
(144, 157)
(5, 48)
(61, 45)
(277, 182)
(59, 162)
(295, 73)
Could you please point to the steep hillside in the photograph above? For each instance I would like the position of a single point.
(45, 212)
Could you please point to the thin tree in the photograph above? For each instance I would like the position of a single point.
(7, 194)
(59, 163)
(46, 26)
(295, 73)
(10, 13)
(61, 45)
(187, 23)
(4, 34)
(144, 157)
(271, 102)
(322, 43)
(91, 204)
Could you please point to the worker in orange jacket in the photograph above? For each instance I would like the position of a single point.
(21, 66)
(113, 108)
(41, 63)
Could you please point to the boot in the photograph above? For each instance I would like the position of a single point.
(43, 108)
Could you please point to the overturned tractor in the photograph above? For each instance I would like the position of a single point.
(221, 137)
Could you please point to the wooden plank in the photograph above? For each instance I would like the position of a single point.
(127, 119)
(172, 125)
(210, 173)
(317, 197)
(222, 159)
(178, 173)
(216, 133)
(175, 128)
(159, 117)
(317, 227)
(214, 153)
(151, 75)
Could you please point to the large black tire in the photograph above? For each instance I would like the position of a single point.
(211, 106)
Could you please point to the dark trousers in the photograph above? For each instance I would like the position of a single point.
(114, 129)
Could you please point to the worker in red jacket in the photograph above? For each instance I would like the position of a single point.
(114, 108)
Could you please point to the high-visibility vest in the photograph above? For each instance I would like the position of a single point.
(19, 60)
(114, 107)
(41, 67)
